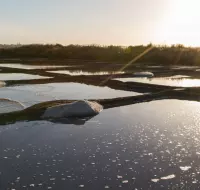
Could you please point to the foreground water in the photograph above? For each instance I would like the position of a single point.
(152, 145)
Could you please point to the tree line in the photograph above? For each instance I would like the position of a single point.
(172, 55)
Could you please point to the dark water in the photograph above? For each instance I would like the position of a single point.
(145, 146)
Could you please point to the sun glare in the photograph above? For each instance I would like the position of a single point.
(181, 24)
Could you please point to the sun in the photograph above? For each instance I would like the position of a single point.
(181, 24)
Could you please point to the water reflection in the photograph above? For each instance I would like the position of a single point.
(32, 94)
(23, 66)
(167, 81)
(72, 121)
(19, 76)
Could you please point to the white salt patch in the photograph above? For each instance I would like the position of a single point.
(17, 156)
(81, 108)
(155, 180)
(2, 83)
(143, 74)
(185, 168)
(7, 105)
(168, 177)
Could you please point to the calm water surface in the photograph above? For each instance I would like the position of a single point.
(152, 145)
(23, 66)
(31, 94)
(19, 76)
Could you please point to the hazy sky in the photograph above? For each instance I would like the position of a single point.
(118, 22)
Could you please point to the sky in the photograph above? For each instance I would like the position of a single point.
(103, 22)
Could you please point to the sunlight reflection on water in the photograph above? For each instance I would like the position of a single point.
(151, 145)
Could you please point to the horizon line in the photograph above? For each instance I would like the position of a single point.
(101, 45)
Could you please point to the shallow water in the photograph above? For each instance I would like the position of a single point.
(19, 76)
(79, 72)
(167, 81)
(31, 94)
(142, 146)
(23, 66)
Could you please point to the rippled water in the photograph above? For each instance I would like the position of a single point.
(31, 94)
(79, 72)
(152, 146)
(23, 66)
(168, 81)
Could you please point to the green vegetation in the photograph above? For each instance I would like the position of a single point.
(173, 55)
